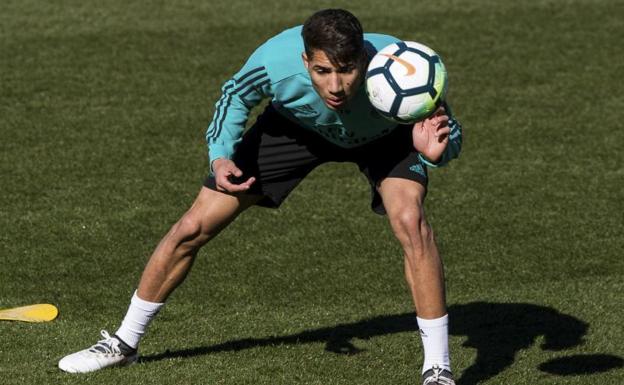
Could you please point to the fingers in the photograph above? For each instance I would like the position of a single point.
(225, 185)
(442, 126)
(237, 172)
(443, 131)
(436, 122)
(243, 186)
(225, 174)
(442, 134)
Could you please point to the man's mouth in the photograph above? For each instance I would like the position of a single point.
(335, 102)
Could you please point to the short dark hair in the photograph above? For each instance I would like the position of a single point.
(336, 32)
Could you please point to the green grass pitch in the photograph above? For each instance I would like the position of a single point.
(103, 108)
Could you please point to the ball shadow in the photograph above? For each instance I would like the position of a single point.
(581, 364)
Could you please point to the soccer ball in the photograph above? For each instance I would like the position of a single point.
(406, 81)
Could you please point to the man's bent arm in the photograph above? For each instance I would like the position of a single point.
(240, 94)
(453, 148)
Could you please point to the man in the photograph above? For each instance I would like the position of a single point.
(319, 112)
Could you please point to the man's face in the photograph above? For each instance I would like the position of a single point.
(335, 84)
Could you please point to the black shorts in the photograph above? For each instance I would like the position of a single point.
(280, 153)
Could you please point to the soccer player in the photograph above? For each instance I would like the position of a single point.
(318, 112)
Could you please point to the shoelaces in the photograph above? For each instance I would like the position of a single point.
(108, 345)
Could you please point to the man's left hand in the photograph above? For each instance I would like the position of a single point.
(431, 135)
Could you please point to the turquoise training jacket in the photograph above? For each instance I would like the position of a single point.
(276, 71)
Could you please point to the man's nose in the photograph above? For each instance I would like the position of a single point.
(335, 84)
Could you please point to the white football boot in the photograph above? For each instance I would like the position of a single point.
(438, 376)
(104, 354)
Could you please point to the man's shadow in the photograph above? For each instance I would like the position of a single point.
(496, 330)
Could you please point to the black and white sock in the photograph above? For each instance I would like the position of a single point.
(434, 335)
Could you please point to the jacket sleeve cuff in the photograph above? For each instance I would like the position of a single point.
(217, 151)
(429, 163)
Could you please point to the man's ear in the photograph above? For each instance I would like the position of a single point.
(306, 62)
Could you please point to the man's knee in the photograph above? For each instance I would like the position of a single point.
(186, 236)
(210, 213)
(188, 227)
(411, 227)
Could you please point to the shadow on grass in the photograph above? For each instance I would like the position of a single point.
(496, 330)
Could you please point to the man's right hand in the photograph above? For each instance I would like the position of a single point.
(223, 170)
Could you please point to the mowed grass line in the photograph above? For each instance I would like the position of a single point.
(102, 112)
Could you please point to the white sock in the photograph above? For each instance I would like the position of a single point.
(434, 334)
(140, 314)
